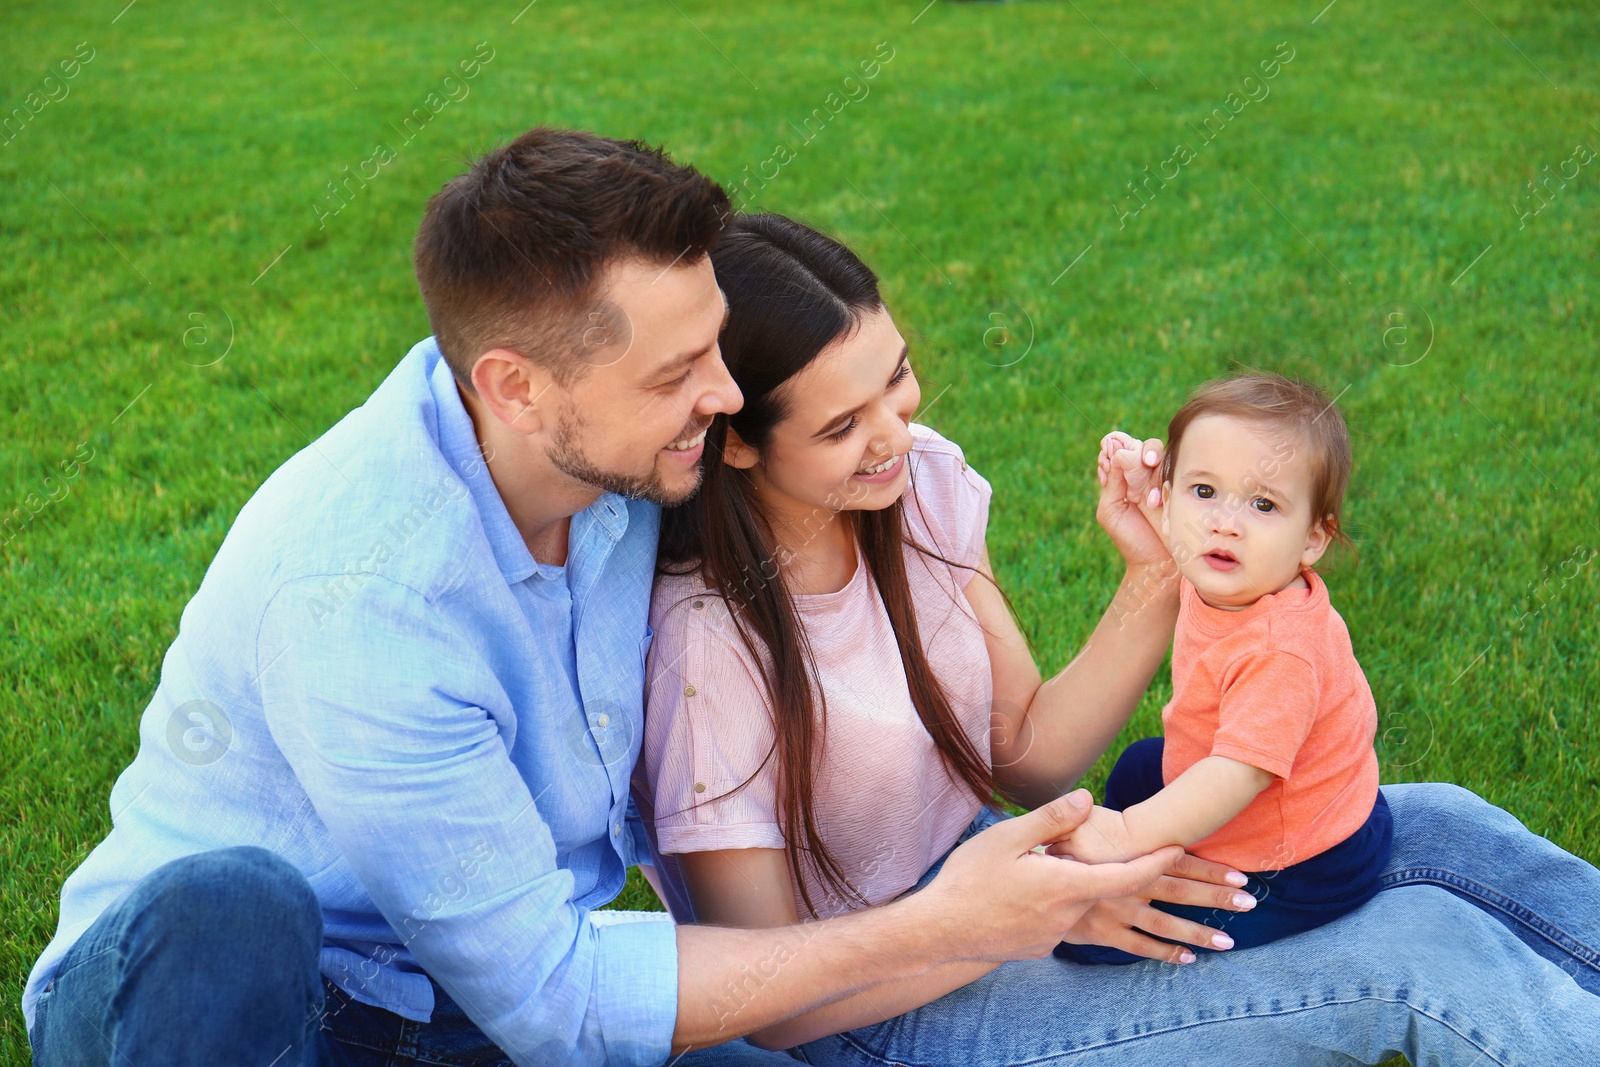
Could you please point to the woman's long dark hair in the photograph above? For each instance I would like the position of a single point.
(791, 293)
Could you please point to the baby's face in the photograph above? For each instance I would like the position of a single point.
(1238, 516)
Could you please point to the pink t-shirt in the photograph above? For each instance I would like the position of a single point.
(885, 803)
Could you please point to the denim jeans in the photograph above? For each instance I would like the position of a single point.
(151, 984)
(1482, 948)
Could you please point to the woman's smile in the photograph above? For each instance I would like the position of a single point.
(886, 471)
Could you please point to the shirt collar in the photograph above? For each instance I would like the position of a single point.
(459, 443)
(1219, 622)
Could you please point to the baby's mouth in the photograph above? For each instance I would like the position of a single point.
(1221, 560)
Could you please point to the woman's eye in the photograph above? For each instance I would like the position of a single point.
(1204, 492)
(902, 374)
(1263, 505)
(842, 433)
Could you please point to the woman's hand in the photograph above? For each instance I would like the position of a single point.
(1128, 922)
(1130, 498)
(998, 899)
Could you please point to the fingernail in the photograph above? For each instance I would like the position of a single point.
(1186, 956)
(1235, 878)
(1244, 901)
(1222, 940)
(1150, 457)
(1080, 799)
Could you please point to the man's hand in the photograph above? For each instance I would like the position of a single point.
(997, 899)
(1130, 497)
(1103, 837)
(1128, 922)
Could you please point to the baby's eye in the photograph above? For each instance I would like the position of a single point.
(1204, 492)
(1263, 505)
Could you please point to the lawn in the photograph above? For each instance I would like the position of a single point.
(1079, 210)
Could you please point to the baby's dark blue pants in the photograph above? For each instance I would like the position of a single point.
(1300, 897)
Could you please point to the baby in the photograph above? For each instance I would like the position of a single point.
(1267, 762)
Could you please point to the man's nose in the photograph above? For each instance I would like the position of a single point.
(723, 397)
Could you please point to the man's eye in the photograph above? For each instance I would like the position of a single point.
(843, 432)
(1263, 505)
(1204, 492)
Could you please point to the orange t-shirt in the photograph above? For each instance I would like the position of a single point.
(1275, 685)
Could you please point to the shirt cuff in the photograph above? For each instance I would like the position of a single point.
(1273, 763)
(638, 837)
(638, 990)
(674, 840)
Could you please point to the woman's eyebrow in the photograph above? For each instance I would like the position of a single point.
(842, 417)
(905, 353)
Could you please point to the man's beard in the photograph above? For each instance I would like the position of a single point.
(567, 456)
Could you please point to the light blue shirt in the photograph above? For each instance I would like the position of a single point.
(378, 682)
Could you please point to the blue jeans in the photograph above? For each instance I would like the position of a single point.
(1482, 948)
(151, 983)
(1300, 897)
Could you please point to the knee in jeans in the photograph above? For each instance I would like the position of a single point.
(210, 893)
(1431, 807)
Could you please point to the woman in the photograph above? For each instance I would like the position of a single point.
(838, 689)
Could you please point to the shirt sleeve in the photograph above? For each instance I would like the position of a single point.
(382, 715)
(949, 500)
(1268, 704)
(708, 730)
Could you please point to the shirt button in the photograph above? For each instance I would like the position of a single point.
(602, 719)
(616, 829)
(699, 604)
(689, 690)
(699, 787)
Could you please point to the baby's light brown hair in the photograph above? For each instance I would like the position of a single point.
(1302, 410)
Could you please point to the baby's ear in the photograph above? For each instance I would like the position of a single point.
(1317, 540)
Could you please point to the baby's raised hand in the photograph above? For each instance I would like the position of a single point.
(1130, 496)
(1101, 838)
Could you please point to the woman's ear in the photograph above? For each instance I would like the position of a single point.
(735, 453)
(1317, 541)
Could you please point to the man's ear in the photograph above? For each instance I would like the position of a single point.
(514, 388)
(1317, 541)
(735, 453)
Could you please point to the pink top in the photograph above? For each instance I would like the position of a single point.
(885, 803)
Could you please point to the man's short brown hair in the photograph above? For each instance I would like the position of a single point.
(1303, 412)
(509, 254)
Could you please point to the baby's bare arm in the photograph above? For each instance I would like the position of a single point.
(1198, 803)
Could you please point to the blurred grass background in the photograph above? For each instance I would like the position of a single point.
(170, 202)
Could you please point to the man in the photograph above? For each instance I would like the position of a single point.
(385, 777)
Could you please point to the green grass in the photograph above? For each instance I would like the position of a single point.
(194, 148)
